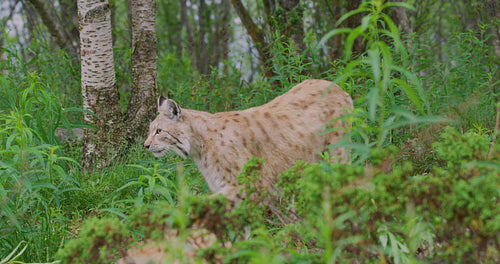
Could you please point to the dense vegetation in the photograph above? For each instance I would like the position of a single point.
(423, 184)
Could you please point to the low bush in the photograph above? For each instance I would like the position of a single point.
(332, 213)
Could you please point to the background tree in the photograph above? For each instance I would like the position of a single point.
(207, 32)
(63, 29)
(286, 18)
(99, 89)
(493, 9)
(257, 35)
(283, 17)
(142, 107)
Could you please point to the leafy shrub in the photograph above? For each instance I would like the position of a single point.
(388, 97)
(329, 213)
(101, 241)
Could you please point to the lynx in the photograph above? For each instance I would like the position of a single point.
(289, 128)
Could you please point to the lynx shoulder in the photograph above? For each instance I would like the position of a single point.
(289, 128)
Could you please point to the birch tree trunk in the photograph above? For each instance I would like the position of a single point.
(98, 83)
(142, 105)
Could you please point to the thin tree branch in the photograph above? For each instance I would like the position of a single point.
(257, 36)
(49, 19)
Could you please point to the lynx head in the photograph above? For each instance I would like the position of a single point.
(168, 131)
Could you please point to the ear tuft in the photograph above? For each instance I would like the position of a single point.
(161, 100)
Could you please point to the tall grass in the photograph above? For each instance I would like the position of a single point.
(34, 181)
(465, 87)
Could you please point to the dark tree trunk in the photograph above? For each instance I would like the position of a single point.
(142, 106)
(219, 48)
(257, 35)
(201, 51)
(353, 22)
(69, 20)
(189, 32)
(403, 20)
(493, 9)
(208, 34)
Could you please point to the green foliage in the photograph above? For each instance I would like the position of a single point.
(152, 184)
(389, 96)
(34, 180)
(471, 147)
(56, 72)
(214, 93)
(332, 213)
(289, 64)
(465, 88)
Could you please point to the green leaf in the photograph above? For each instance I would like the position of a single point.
(401, 4)
(348, 72)
(115, 211)
(353, 35)
(392, 27)
(374, 62)
(70, 160)
(373, 101)
(330, 34)
(485, 164)
(129, 184)
(418, 87)
(70, 190)
(137, 166)
(386, 62)
(9, 140)
(400, 47)
(410, 119)
(383, 239)
(365, 22)
(351, 13)
(166, 193)
(10, 258)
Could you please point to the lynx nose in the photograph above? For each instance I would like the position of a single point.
(146, 146)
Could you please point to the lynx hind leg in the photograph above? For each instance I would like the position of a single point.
(232, 193)
(339, 154)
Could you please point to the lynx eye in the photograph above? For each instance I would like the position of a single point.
(158, 131)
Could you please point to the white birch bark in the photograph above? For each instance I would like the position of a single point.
(98, 81)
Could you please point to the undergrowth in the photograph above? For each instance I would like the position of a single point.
(330, 213)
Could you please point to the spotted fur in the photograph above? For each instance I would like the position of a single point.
(287, 129)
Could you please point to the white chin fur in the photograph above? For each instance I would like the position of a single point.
(158, 154)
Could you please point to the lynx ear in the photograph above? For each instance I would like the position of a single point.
(169, 108)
